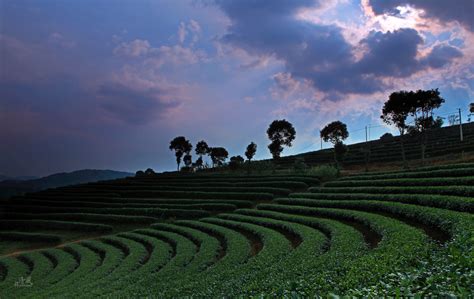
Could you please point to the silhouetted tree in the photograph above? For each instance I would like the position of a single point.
(250, 151)
(281, 133)
(149, 171)
(236, 162)
(201, 149)
(188, 160)
(395, 112)
(180, 145)
(424, 102)
(340, 150)
(218, 155)
(199, 162)
(139, 173)
(471, 112)
(335, 133)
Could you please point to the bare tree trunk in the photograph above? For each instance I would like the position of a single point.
(335, 158)
(423, 148)
(402, 144)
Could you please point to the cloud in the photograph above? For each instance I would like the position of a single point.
(159, 56)
(56, 38)
(320, 53)
(182, 32)
(391, 54)
(131, 105)
(192, 27)
(441, 55)
(174, 55)
(284, 86)
(135, 48)
(445, 11)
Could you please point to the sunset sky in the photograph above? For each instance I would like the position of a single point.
(107, 84)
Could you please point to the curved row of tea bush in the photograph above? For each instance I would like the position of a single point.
(151, 201)
(87, 217)
(53, 225)
(444, 181)
(458, 203)
(458, 170)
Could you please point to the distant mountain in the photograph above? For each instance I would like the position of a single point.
(14, 186)
(16, 178)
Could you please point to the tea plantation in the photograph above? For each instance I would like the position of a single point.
(208, 235)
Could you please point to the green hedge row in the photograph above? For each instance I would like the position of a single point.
(400, 248)
(87, 261)
(29, 237)
(418, 173)
(288, 184)
(150, 212)
(202, 195)
(463, 204)
(445, 181)
(148, 254)
(152, 201)
(93, 218)
(421, 169)
(224, 177)
(467, 191)
(53, 225)
(77, 204)
(111, 258)
(153, 190)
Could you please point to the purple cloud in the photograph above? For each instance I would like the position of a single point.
(446, 11)
(391, 54)
(320, 53)
(134, 106)
(441, 55)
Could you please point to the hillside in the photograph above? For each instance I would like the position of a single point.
(13, 187)
(172, 235)
(441, 142)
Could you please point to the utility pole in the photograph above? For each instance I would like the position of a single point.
(460, 126)
(321, 143)
(366, 138)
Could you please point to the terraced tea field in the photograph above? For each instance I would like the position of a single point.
(395, 233)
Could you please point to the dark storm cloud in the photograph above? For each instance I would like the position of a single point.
(131, 105)
(442, 55)
(444, 10)
(391, 54)
(320, 53)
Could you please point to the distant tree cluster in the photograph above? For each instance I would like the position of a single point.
(417, 105)
(218, 155)
(411, 112)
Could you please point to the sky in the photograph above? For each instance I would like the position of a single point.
(106, 84)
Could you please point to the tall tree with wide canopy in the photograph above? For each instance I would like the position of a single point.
(201, 149)
(335, 133)
(250, 151)
(281, 133)
(218, 155)
(180, 145)
(395, 112)
(423, 103)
